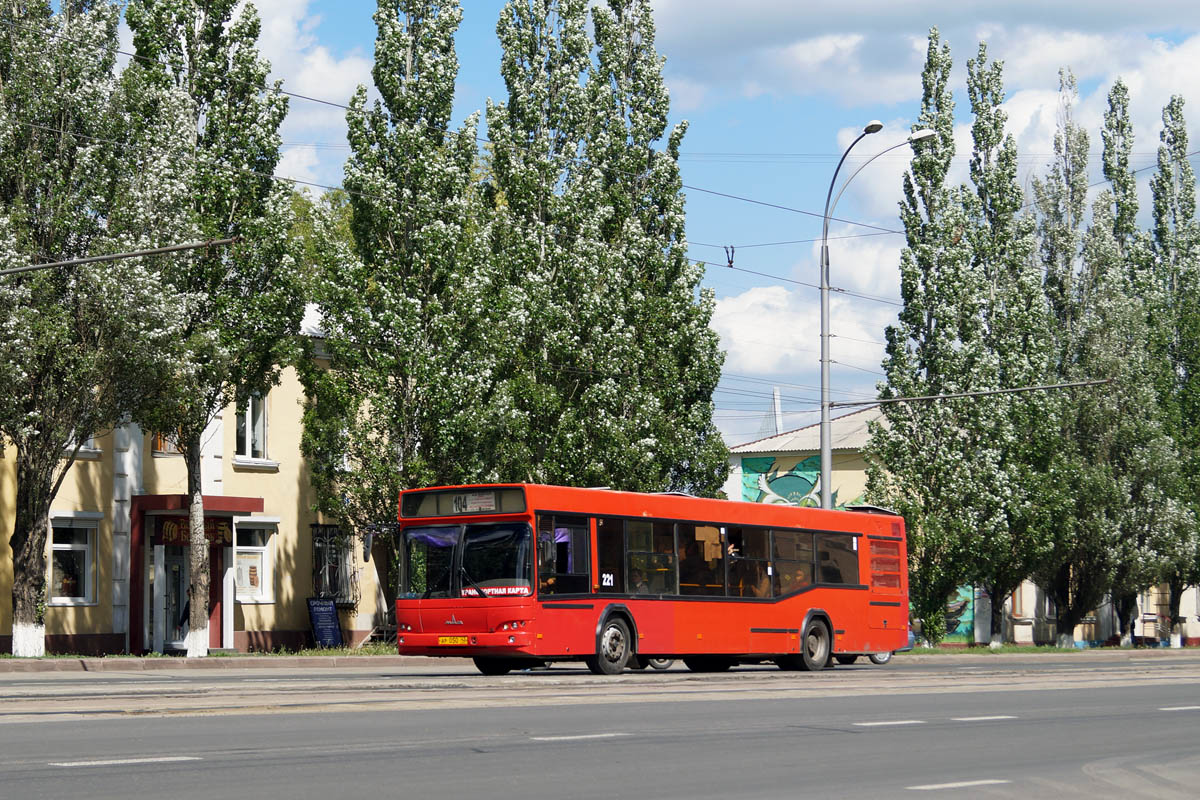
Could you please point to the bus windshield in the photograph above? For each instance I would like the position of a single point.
(496, 560)
(492, 559)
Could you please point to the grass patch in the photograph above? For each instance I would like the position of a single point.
(984, 650)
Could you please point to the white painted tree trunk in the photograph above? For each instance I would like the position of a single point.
(1126, 639)
(1066, 641)
(1176, 636)
(997, 642)
(29, 641)
(197, 643)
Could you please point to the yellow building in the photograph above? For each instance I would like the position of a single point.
(118, 569)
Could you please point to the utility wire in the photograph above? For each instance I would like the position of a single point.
(925, 398)
(280, 90)
(174, 248)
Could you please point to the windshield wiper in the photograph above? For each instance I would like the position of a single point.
(434, 584)
(474, 585)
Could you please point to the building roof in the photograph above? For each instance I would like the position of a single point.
(847, 432)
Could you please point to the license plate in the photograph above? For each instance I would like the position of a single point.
(452, 640)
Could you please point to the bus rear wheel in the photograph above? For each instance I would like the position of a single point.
(815, 646)
(880, 658)
(613, 652)
(708, 663)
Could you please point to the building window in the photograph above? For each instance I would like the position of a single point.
(252, 428)
(87, 446)
(252, 559)
(165, 444)
(73, 562)
(333, 566)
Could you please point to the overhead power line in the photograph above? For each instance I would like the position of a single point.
(928, 397)
(156, 251)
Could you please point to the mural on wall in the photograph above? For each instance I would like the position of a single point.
(785, 480)
(960, 616)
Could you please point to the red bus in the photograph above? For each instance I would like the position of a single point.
(517, 575)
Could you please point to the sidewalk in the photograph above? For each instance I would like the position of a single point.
(137, 664)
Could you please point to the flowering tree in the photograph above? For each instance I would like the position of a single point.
(245, 303)
(81, 347)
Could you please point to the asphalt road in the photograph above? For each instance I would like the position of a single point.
(1119, 725)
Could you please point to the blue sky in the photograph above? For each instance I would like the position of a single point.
(774, 90)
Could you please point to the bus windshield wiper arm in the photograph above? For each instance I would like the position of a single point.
(471, 581)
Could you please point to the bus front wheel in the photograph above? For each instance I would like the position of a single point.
(493, 666)
(613, 651)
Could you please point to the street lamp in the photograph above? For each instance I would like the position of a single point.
(874, 126)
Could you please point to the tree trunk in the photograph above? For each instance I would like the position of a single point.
(996, 640)
(1177, 587)
(28, 543)
(1126, 617)
(198, 588)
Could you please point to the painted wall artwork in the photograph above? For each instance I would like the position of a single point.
(785, 480)
(960, 616)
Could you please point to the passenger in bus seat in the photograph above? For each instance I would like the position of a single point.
(693, 569)
(637, 582)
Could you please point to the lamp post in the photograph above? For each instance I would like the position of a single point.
(874, 126)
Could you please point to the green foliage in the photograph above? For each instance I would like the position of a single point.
(80, 347)
(606, 360)
(915, 459)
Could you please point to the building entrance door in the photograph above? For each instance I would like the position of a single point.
(175, 563)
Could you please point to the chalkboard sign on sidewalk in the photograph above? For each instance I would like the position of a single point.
(326, 630)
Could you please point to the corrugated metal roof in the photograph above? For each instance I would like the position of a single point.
(847, 432)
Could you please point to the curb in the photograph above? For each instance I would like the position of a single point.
(135, 664)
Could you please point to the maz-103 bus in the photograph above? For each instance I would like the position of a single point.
(520, 575)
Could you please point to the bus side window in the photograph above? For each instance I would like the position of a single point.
(792, 558)
(837, 559)
(701, 563)
(651, 548)
(563, 563)
(610, 555)
(749, 565)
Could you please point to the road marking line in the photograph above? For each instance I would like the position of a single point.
(123, 761)
(933, 787)
(982, 719)
(890, 722)
(1180, 708)
(575, 738)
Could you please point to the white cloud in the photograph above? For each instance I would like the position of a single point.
(289, 42)
(875, 53)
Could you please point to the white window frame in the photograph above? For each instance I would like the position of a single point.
(245, 419)
(88, 449)
(242, 450)
(88, 521)
(266, 553)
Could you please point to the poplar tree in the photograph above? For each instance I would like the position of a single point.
(915, 463)
(80, 346)
(1006, 453)
(1175, 323)
(245, 302)
(397, 400)
(653, 393)
(544, 243)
